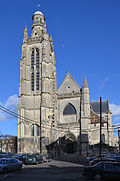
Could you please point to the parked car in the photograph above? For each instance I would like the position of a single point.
(33, 159)
(44, 157)
(5, 155)
(97, 160)
(38, 158)
(49, 157)
(30, 160)
(22, 158)
(115, 158)
(9, 164)
(88, 159)
(103, 170)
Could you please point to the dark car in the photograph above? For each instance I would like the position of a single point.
(97, 160)
(33, 159)
(38, 158)
(89, 159)
(22, 158)
(9, 164)
(103, 170)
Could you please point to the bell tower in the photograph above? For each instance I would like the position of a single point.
(37, 107)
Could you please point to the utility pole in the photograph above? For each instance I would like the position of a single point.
(107, 121)
(80, 122)
(100, 125)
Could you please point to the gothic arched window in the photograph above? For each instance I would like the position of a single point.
(32, 130)
(69, 110)
(37, 130)
(37, 58)
(103, 138)
(37, 69)
(32, 70)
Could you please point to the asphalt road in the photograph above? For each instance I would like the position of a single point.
(51, 171)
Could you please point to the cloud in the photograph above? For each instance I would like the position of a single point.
(11, 104)
(115, 109)
(103, 82)
(2, 117)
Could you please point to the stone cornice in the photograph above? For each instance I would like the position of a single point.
(68, 95)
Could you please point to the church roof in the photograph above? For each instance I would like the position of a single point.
(96, 106)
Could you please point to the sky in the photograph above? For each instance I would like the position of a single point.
(86, 36)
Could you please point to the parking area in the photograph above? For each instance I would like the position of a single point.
(52, 171)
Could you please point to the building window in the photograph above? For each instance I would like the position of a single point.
(37, 68)
(32, 81)
(103, 138)
(32, 70)
(37, 59)
(69, 110)
(32, 131)
(37, 81)
(38, 130)
(24, 129)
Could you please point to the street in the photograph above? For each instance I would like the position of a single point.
(52, 171)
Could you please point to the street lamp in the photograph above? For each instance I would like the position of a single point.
(59, 143)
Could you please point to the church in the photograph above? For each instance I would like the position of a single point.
(51, 120)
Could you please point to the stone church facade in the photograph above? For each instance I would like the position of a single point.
(51, 120)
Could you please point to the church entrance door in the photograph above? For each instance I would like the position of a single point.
(70, 148)
(69, 144)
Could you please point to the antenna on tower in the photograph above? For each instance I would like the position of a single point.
(38, 7)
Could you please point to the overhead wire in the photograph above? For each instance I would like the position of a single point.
(8, 111)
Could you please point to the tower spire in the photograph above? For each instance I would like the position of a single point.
(25, 38)
(85, 84)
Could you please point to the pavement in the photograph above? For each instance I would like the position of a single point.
(62, 168)
(3, 176)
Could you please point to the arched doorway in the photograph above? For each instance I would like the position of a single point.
(69, 143)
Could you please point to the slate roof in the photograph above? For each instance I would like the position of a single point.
(96, 106)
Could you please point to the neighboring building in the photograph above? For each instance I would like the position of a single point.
(116, 141)
(8, 143)
(62, 120)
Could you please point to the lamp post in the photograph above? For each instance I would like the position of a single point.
(100, 126)
(59, 144)
(80, 125)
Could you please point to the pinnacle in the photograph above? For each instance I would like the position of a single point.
(85, 84)
(25, 34)
(51, 38)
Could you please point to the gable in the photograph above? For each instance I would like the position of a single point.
(68, 85)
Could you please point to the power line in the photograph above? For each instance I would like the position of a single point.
(8, 111)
